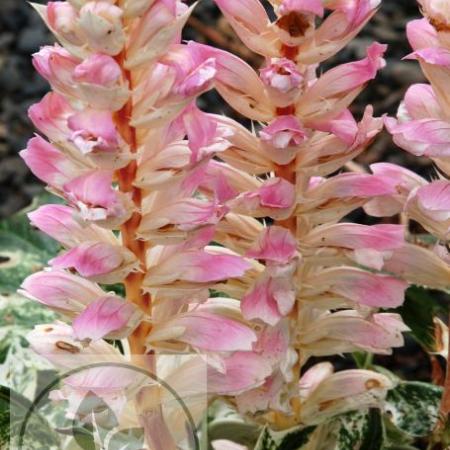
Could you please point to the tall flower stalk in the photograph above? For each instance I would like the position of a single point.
(422, 128)
(230, 242)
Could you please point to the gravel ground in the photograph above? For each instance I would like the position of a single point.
(22, 33)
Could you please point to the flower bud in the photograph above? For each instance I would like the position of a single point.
(63, 20)
(282, 138)
(49, 164)
(56, 65)
(283, 81)
(59, 222)
(98, 261)
(96, 199)
(61, 291)
(100, 82)
(93, 131)
(102, 26)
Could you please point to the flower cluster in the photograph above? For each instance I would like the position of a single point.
(423, 124)
(229, 242)
(422, 128)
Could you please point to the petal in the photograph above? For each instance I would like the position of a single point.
(260, 303)
(90, 259)
(207, 331)
(110, 317)
(243, 371)
(59, 222)
(48, 163)
(337, 88)
(61, 291)
(275, 244)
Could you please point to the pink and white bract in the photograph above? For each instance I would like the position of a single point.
(179, 204)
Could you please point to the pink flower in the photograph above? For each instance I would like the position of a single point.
(434, 200)
(204, 137)
(50, 116)
(275, 198)
(181, 75)
(101, 24)
(96, 199)
(98, 261)
(281, 138)
(419, 265)
(100, 82)
(343, 126)
(270, 299)
(159, 28)
(93, 131)
(336, 89)
(251, 23)
(358, 286)
(206, 331)
(275, 244)
(110, 317)
(349, 330)
(340, 392)
(434, 56)
(310, 6)
(60, 222)
(62, 19)
(426, 137)
(242, 371)
(49, 164)
(336, 30)
(98, 69)
(198, 77)
(61, 291)
(56, 65)
(276, 193)
(355, 236)
(421, 34)
(420, 102)
(283, 81)
(240, 85)
(295, 21)
(191, 265)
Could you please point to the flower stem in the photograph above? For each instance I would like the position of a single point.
(126, 177)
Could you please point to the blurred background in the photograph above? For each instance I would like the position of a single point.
(22, 33)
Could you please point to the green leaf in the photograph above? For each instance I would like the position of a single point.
(418, 311)
(413, 407)
(20, 364)
(394, 438)
(360, 430)
(362, 360)
(226, 423)
(84, 437)
(23, 250)
(35, 431)
(293, 439)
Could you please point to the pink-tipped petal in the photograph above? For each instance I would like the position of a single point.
(275, 244)
(61, 291)
(90, 259)
(107, 316)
